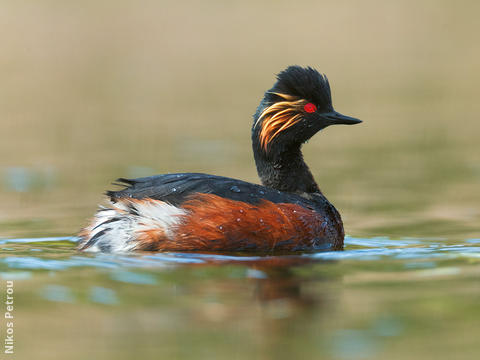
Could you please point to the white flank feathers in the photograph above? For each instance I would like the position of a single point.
(116, 229)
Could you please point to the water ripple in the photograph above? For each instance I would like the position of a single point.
(356, 249)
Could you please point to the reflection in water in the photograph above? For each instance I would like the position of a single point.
(103, 295)
(282, 297)
(134, 278)
(288, 296)
(286, 304)
(281, 284)
(57, 293)
(340, 305)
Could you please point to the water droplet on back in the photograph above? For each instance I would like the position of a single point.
(235, 188)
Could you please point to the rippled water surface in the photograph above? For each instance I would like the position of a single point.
(378, 298)
(96, 90)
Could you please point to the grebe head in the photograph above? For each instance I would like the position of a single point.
(297, 106)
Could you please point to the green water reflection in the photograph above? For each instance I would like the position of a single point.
(378, 298)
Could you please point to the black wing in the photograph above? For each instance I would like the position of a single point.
(176, 188)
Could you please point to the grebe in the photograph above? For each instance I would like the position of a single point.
(200, 212)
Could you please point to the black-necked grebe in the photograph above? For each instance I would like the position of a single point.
(200, 212)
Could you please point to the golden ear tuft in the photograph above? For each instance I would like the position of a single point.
(278, 117)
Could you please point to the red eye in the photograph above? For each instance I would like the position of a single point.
(310, 108)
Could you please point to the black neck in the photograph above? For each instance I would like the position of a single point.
(287, 171)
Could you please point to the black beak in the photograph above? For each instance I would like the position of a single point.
(335, 118)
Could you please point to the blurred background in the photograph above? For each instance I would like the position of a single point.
(96, 90)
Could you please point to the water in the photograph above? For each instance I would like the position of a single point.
(97, 90)
(378, 298)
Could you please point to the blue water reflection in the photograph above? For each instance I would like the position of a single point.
(103, 295)
(57, 293)
(416, 254)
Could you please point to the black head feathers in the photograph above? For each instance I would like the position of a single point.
(297, 106)
(305, 83)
